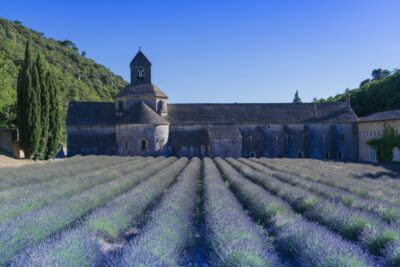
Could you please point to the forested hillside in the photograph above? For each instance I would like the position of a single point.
(78, 77)
(380, 93)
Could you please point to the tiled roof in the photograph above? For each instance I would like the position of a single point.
(90, 113)
(141, 113)
(141, 90)
(385, 115)
(98, 113)
(140, 59)
(260, 113)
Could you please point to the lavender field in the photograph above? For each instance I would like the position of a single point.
(156, 211)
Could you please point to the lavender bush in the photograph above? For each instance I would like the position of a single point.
(131, 205)
(234, 240)
(31, 228)
(39, 174)
(39, 196)
(308, 243)
(169, 228)
(348, 222)
(386, 211)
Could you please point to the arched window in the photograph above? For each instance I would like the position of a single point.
(160, 105)
(140, 73)
(252, 154)
(126, 145)
(161, 143)
(143, 145)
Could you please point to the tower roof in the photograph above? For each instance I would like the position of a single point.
(141, 90)
(140, 59)
(141, 113)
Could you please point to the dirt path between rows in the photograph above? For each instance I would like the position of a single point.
(6, 161)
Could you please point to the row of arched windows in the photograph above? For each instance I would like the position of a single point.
(143, 144)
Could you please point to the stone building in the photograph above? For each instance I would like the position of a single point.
(373, 127)
(142, 122)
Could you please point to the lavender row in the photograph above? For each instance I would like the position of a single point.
(233, 238)
(33, 227)
(13, 193)
(338, 179)
(51, 171)
(385, 211)
(306, 243)
(169, 229)
(38, 196)
(355, 225)
(110, 222)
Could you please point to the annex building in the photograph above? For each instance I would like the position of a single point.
(142, 122)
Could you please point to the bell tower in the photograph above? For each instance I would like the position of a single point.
(140, 69)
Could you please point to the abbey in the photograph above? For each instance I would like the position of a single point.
(142, 122)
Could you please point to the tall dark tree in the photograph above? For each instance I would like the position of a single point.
(54, 118)
(296, 98)
(44, 106)
(34, 118)
(378, 74)
(28, 105)
(22, 88)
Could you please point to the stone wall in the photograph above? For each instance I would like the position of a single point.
(374, 129)
(9, 142)
(130, 138)
(91, 140)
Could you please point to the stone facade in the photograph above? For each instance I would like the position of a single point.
(141, 122)
(9, 142)
(373, 127)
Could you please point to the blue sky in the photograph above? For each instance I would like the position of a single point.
(229, 51)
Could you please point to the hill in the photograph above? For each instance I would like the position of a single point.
(380, 93)
(78, 77)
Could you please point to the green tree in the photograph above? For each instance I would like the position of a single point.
(29, 106)
(378, 74)
(296, 98)
(24, 88)
(384, 145)
(44, 106)
(54, 118)
(7, 94)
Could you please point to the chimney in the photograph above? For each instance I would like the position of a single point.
(315, 110)
(348, 98)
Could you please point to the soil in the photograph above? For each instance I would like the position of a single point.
(6, 161)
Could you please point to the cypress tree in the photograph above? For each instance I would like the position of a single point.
(28, 105)
(44, 107)
(54, 118)
(33, 115)
(23, 86)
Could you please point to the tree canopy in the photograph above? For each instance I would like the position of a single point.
(79, 78)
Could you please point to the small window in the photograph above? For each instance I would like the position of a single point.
(143, 145)
(373, 155)
(327, 156)
(161, 105)
(266, 154)
(339, 155)
(341, 137)
(252, 154)
(249, 139)
(126, 145)
(140, 73)
(322, 138)
(161, 143)
(275, 138)
(300, 154)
